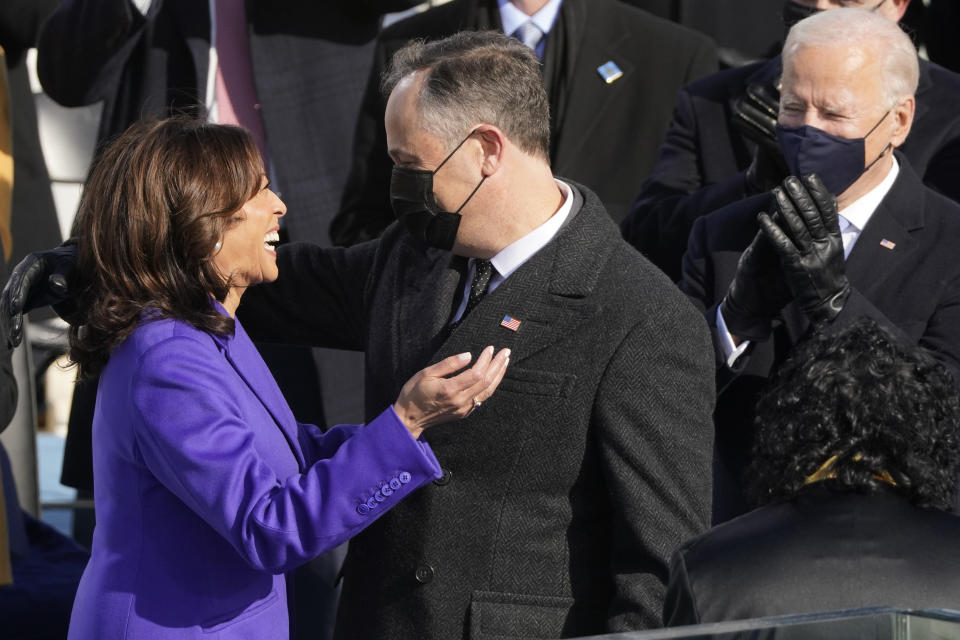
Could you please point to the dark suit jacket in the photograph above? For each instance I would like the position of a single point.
(310, 59)
(564, 494)
(825, 550)
(606, 135)
(912, 289)
(704, 158)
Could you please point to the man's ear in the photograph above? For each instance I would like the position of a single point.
(902, 120)
(897, 9)
(492, 143)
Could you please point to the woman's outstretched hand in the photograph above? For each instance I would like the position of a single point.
(431, 397)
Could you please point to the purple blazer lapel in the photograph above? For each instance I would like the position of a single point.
(246, 361)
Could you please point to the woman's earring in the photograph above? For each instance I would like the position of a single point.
(218, 246)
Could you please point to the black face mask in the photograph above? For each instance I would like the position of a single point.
(794, 12)
(413, 202)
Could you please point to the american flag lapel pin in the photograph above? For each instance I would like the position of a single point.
(886, 244)
(510, 323)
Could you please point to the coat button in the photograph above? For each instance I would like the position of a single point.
(386, 490)
(395, 483)
(424, 573)
(363, 509)
(404, 477)
(444, 478)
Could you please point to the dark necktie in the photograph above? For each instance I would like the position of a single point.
(483, 271)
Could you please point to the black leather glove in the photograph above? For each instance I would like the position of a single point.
(757, 294)
(755, 115)
(38, 280)
(807, 238)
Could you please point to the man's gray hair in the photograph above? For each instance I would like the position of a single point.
(883, 37)
(477, 77)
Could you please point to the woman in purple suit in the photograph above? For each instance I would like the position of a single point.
(207, 489)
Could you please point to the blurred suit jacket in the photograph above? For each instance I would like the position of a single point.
(604, 136)
(910, 285)
(703, 161)
(824, 550)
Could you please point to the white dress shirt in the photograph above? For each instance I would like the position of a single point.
(853, 219)
(512, 257)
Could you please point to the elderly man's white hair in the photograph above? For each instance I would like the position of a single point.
(881, 36)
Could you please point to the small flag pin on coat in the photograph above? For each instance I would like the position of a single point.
(510, 323)
(609, 71)
(886, 244)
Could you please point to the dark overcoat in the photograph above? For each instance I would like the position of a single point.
(565, 493)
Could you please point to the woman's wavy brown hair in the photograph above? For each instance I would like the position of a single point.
(155, 203)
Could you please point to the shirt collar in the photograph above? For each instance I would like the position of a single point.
(512, 18)
(515, 254)
(858, 212)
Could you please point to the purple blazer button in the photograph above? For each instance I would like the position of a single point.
(395, 483)
(386, 490)
(371, 504)
(363, 509)
(378, 497)
(404, 477)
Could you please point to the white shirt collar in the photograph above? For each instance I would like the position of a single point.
(859, 212)
(514, 255)
(512, 18)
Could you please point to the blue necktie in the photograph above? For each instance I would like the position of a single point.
(529, 34)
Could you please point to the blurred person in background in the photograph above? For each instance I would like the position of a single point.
(856, 467)
(31, 219)
(722, 144)
(208, 489)
(611, 71)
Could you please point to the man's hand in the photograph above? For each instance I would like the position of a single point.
(757, 294)
(755, 115)
(807, 238)
(38, 280)
(434, 395)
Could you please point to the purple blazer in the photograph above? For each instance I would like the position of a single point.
(208, 490)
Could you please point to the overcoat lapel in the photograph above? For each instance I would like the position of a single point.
(900, 212)
(593, 94)
(428, 287)
(549, 295)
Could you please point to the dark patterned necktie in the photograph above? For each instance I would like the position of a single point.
(483, 271)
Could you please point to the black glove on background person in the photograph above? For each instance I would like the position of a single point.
(38, 280)
(807, 238)
(757, 294)
(755, 115)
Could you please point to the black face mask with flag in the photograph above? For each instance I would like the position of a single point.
(413, 202)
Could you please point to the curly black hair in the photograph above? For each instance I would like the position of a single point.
(875, 403)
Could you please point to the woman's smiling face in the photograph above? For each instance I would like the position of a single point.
(247, 254)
